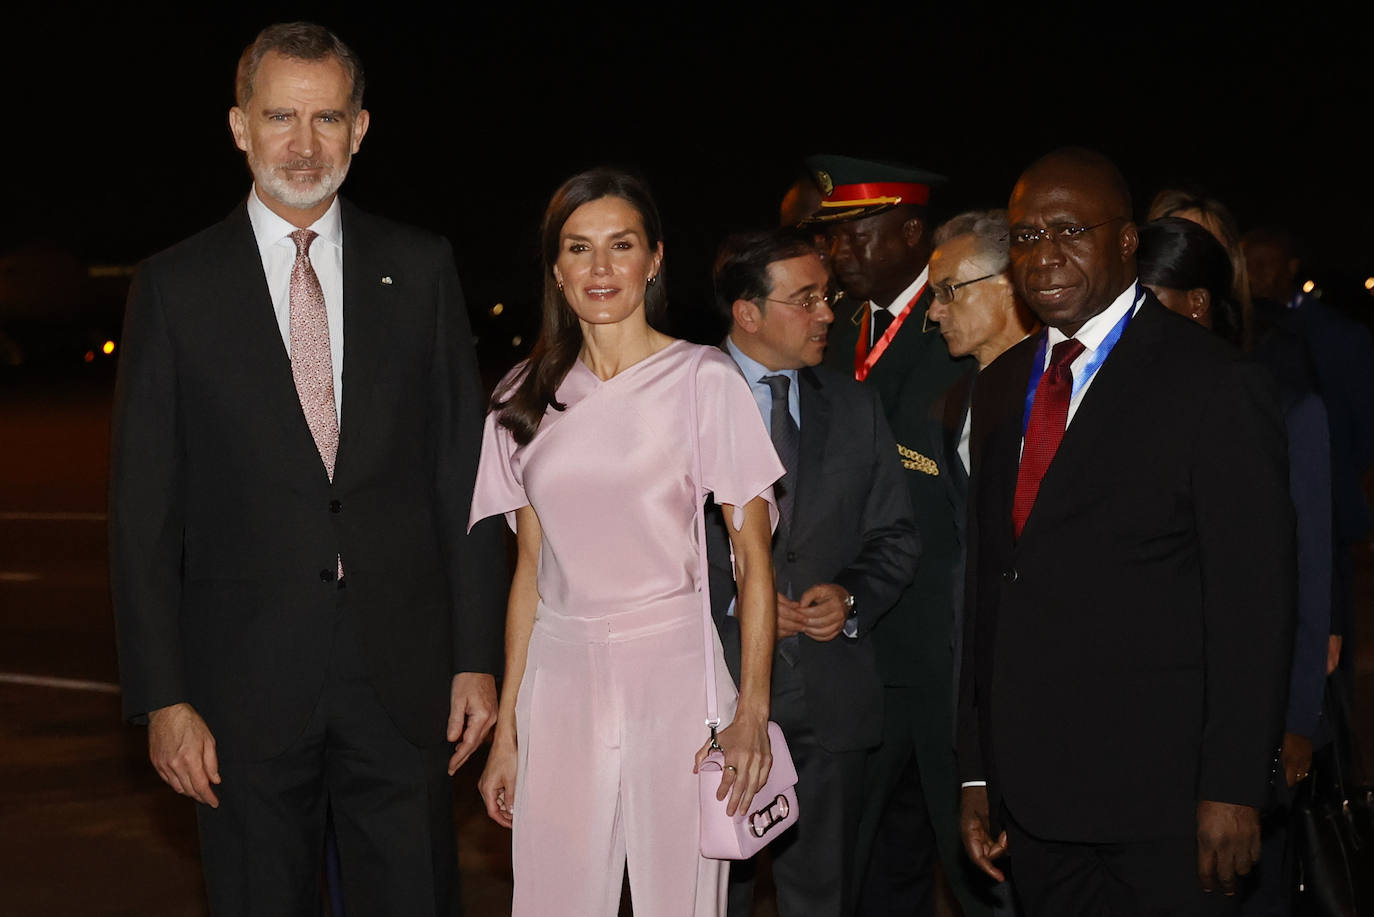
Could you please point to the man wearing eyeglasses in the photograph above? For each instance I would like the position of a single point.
(844, 549)
(977, 312)
(877, 218)
(1131, 580)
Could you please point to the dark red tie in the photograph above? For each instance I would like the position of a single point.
(1048, 415)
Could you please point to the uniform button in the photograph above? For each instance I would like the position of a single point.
(1010, 576)
(326, 576)
(335, 506)
(791, 557)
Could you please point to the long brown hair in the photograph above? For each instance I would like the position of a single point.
(521, 403)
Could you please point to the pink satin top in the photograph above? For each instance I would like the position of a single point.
(610, 477)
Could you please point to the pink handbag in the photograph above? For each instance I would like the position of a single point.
(774, 807)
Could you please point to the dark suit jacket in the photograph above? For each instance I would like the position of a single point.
(914, 646)
(224, 526)
(851, 525)
(951, 409)
(1128, 655)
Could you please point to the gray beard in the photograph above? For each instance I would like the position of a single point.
(299, 195)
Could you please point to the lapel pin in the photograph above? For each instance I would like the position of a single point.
(387, 279)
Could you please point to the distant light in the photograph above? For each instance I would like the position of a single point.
(1369, 283)
(89, 357)
(111, 270)
(516, 341)
(498, 309)
(108, 348)
(1308, 287)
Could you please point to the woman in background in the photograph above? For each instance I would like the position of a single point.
(1214, 216)
(1190, 272)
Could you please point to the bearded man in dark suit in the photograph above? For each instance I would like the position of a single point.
(303, 624)
(1130, 579)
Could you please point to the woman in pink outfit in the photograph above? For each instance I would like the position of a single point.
(587, 451)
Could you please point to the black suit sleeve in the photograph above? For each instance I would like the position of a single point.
(1246, 548)
(146, 523)
(475, 560)
(891, 543)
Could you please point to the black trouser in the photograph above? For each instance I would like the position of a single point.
(391, 801)
(898, 860)
(813, 861)
(1156, 878)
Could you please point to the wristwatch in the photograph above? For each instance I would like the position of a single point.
(850, 610)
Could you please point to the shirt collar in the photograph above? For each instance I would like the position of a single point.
(1096, 329)
(270, 229)
(754, 370)
(904, 297)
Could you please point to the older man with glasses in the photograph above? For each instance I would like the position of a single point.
(1131, 582)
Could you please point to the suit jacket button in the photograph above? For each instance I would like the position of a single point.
(326, 576)
(335, 506)
(1010, 575)
(791, 557)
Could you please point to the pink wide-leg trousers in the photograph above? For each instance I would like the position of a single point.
(610, 713)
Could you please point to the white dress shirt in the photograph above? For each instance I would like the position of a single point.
(896, 306)
(1091, 336)
(278, 252)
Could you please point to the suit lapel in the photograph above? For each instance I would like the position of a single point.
(995, 442)
(815, 430)
(252, 332)
(1105, 406)
(369, 280)
(953, 411)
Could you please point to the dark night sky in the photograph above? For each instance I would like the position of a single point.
(117, 143)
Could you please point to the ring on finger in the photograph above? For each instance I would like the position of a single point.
(731, 768)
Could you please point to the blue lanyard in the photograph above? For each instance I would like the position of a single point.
(1080, 380)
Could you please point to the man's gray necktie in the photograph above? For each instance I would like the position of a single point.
(787, 441)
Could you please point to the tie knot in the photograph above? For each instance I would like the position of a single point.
(303, 238)
(1065, 352)
(778, 385)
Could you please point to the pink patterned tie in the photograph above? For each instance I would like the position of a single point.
(311, 363)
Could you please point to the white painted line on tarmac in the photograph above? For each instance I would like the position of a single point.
(18, 576)
(13, 516)
(66, 684)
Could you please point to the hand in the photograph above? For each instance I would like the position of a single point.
(748, 759)
(471, 714)
(791, 618)
(1296, 756)
(1228, 843)
(824, 606)
(183, 752)
(1333, 652)
(975, 828)
(497, 783)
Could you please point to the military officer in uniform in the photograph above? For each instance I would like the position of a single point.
(876, 217)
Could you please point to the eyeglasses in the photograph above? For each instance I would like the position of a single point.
(944, 292)
(809, 304)
(1059, 235)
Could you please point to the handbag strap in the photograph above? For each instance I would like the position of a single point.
(703, 583)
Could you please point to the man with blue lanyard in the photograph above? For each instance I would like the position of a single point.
(1131, 585)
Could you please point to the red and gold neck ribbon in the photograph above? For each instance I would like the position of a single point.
(864, 358)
